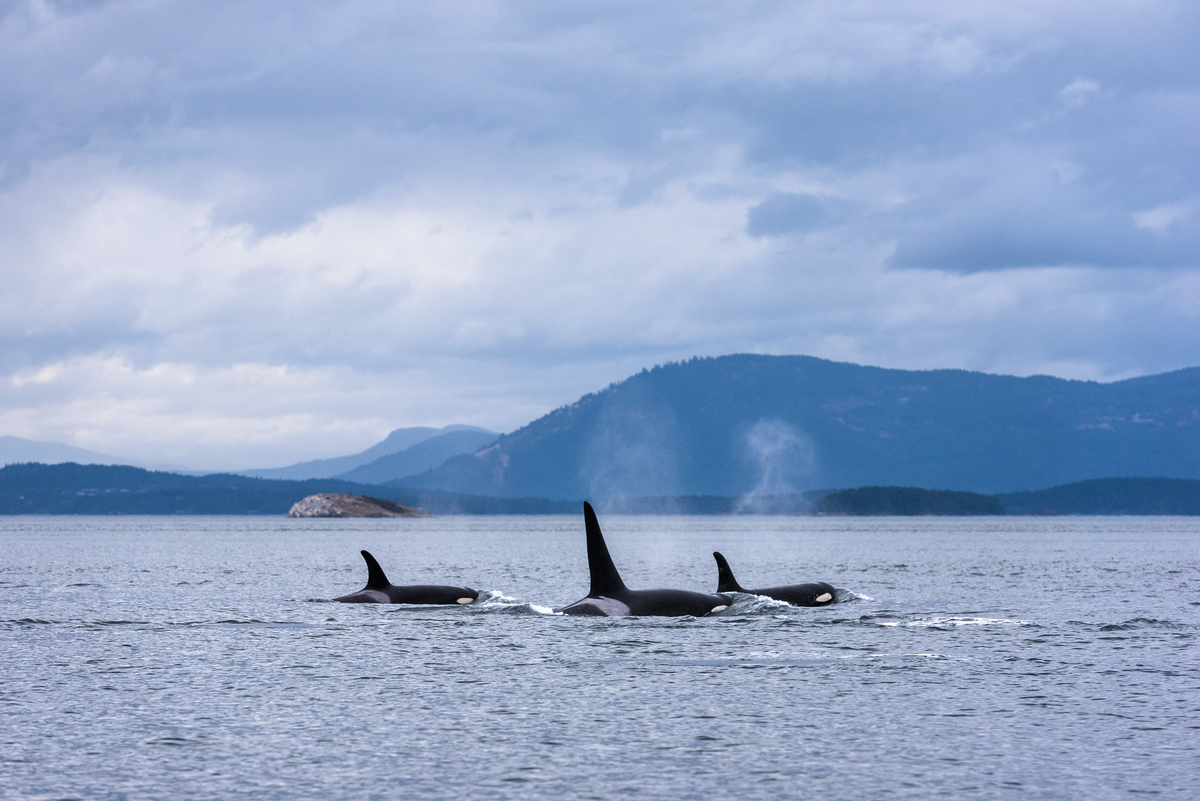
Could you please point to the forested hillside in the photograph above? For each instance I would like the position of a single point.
(99, 489)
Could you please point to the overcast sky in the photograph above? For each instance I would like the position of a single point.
(241, 234)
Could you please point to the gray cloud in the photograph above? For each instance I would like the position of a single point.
(477, 211)
(785, 213)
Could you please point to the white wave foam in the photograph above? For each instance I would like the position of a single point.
(496, 597)
(497, 601)
(953, 622)
(744, 602)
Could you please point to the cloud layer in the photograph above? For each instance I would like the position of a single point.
(242, 234)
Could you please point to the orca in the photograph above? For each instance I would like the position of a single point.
(381, 591)
(818, 593)
(609, 597)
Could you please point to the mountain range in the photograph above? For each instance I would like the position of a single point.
(772, 425)
(747, 427)
(403, 452)
(425, 448)
(16, 450)
(420, 457)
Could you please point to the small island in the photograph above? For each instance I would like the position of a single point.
(867, 501)
(329, 504)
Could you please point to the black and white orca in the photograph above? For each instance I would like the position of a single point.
(609, 597)
(381, 591)
(817, 593)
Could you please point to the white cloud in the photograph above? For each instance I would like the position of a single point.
(1159, 219)
(1078, 93)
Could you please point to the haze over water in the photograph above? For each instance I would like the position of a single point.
(969, 658)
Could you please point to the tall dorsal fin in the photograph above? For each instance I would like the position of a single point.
(725, 580)
(376, 579)
(605, 578)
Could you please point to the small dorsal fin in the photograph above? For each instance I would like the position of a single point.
(605, 578)
(725, 580)
(376, 579)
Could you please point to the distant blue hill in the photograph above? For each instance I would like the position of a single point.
(399, 440)
(772, 425)
(418, 458)
(14, 450)
(1109, 496)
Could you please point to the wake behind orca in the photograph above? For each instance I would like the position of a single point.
(381, 591)
(609, 597)
(817, 593)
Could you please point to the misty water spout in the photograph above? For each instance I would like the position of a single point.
(785, 456)
(633, 451)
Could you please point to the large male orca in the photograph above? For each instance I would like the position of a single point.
(817, 593)
(609, 597)
(381, 591)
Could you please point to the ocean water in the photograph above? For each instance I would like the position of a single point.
(198, 658)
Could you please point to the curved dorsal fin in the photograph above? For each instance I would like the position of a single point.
(725, 580)
(376, 579)
(605, 578)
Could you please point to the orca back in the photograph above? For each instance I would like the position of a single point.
(432, 594)
(381, 591)
(675, 603)
(609, 597)
(813, 594)
(816, 593)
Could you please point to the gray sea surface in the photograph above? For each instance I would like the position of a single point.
(201, 658)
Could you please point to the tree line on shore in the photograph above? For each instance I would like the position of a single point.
(111, 490)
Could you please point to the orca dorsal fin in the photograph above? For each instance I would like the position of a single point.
(725, 580)
(605, 578)
(376, 578)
